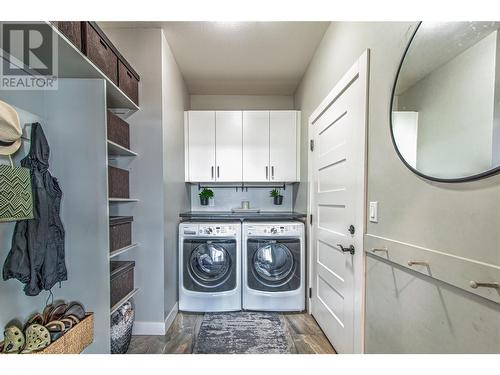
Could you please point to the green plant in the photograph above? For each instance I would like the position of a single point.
(275, 193)
(206, 193)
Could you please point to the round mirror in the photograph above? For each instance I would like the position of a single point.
(445, 118)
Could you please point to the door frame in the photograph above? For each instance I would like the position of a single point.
(359, 69)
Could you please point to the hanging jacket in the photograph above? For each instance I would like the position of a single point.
(37, 254)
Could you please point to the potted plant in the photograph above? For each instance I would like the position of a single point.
(205, 196)
(278, 198)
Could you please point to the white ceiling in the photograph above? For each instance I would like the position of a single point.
(240, 58)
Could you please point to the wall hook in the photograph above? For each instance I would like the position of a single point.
(418, 262)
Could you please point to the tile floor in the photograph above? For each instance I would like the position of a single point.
(303, 333)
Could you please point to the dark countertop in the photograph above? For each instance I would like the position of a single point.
(228, 215)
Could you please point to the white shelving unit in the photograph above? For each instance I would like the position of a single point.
(114, 149)
(122, 250)
(124, 200)
(72, 63)
(123, 300)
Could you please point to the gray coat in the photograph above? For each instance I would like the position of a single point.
(37, 254)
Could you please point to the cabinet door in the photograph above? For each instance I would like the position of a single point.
(201, 146)
(283, 145)
(228, 145)
(256, 146)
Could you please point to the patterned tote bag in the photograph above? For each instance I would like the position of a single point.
(16, 197)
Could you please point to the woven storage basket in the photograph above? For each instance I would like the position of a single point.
(75, 340)
(72, 342)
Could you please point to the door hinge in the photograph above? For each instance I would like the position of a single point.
(310, 292)
(311, 144)
(311, 219)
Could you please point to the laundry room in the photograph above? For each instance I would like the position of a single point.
(244, 185)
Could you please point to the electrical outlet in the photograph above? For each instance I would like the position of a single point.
(373, 212)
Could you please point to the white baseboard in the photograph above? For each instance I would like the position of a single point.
(171, 316)
(155, 328)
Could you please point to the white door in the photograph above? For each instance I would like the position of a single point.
(256, 146)
(338, 130)
(228, 146)
(201, 145)
(283, 145)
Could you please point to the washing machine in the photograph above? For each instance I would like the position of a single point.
(209, 266)
(273, 266)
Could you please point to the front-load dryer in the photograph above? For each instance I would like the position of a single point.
(209, 267)
(273, 266)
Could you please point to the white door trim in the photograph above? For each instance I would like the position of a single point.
(360, 70)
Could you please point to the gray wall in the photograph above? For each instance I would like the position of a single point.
(176, 198)
(449, 218)
(157, 174)
(241, 102)
(73, 119)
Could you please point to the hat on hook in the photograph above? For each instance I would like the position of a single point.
(10, 130)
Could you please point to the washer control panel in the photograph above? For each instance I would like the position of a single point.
(278, 229)
(210, 230)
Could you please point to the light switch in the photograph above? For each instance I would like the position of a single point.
(374, 212)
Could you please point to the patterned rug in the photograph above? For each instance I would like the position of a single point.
(241, 333)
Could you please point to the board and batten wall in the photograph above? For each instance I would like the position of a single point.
(407, 312)
(157, 179)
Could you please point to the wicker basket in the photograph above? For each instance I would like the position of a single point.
(74, 341)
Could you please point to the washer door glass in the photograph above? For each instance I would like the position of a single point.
(210, 264)
(273, 263)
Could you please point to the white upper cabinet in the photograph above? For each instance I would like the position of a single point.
(201, 146)
(228, 146)
(248, 146)
(283, 146)
(255, 146)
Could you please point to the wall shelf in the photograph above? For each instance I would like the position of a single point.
(123, 200)
(123, 300)
(122, 250)
(74, 64)
(114, 149)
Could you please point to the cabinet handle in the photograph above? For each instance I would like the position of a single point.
(212, 172)
(267, 172)
(272, 172)
(218, 174)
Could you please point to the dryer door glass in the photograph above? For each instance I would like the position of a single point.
(274, 263)
(210, 264)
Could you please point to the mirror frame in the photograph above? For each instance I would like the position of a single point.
(478, 176)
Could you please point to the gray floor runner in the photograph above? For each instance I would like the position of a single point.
(241, 333)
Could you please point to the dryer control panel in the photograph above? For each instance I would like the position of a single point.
(278, 229)
(210, 230)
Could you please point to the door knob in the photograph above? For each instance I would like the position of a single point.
(349, 249)
(351, 229)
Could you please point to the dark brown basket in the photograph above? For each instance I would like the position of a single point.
(128, 82)
(100, 51)
(118, 130)
(118, 183)
(122, 279)
(120, 232)
(71, 30)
